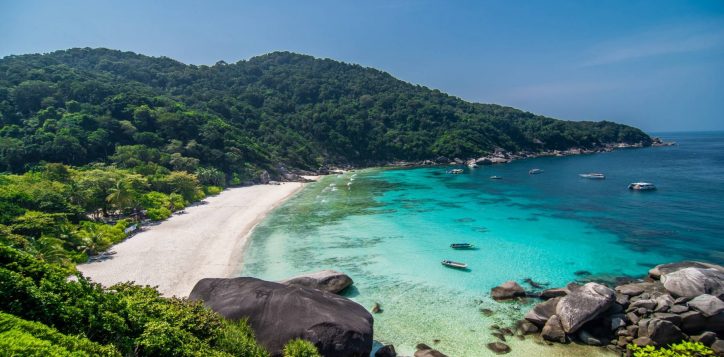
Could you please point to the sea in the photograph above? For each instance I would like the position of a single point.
(389, 229)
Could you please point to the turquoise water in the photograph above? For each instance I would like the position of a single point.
(389, 230)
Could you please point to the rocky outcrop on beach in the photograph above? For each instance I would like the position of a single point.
(325, 280)
(277, 313)
(677, 301)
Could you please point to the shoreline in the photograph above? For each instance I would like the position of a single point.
(206, 240)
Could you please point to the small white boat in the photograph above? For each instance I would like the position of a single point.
(456, 265)
(496, 178)
(642, 186)
(455, 171)
(472, 165)
(535, 171)
(593, 176)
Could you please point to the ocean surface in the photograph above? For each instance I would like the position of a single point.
(389, 229)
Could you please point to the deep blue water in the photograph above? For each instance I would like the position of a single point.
(389, 230)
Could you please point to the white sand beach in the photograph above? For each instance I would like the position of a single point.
(206, 241)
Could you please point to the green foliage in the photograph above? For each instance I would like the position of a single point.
(212, 190)
(19, 337)
(237, 339)
(133, 319)
(300, 348)
(681, 349)
(97, 105)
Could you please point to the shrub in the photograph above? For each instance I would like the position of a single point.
(682, 349)
(158, 214)
(300, 348)
(237, 339)
(213, 190)
(28, 338)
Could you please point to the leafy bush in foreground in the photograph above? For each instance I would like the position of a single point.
(300, 348)
(682, 349)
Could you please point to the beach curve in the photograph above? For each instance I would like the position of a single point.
(205, 241)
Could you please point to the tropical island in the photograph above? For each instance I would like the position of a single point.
(97, 144)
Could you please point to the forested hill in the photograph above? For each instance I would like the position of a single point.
(97, 105)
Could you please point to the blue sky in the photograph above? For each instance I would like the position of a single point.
(658, 65)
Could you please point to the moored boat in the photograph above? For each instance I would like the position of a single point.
(535, 171)
(461, 246)
(456, 265)
(593, 175)
(496, 178)
(642, 186)
(455, 171)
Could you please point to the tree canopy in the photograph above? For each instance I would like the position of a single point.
(97, 105)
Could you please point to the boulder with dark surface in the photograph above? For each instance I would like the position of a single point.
(553, 330)
(718, 347)
(706, 338)
(583, 304)
(661, 332)
(278, 313)
(692, 282)
(507, 290)
(708, 305)
(542, 312)
(326, 280)
(663, 269)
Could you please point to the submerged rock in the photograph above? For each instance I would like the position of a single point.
(551, 293)
(507, 290)
(277, 313)
(424, 350)
(386, 351)
(583, 304)
(325, 280)
(692, 282)
(498, 347)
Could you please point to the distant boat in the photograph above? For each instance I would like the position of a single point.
(642, 186)
(472, 165)
(455, 171)
(461, 246)
(496, 178)
(593, 175)
(535, 171)
(456, 265)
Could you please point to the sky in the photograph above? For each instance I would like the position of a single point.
(657, 65)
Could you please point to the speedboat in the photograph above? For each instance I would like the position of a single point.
(455, 171)
(642, 186)
(456, 265)
(535, 171)
(593, 175)
(461, 246)
(496, 178)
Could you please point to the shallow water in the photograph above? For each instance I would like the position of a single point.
(389, 230)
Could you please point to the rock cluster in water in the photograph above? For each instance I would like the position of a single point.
(677, 301)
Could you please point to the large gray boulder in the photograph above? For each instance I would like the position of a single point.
(540, 313)
(277, 313)
(326, 280)
(663, 269)
(707, 304)
(583, 304)
(692, 282)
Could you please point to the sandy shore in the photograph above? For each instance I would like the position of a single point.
(206, 241)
